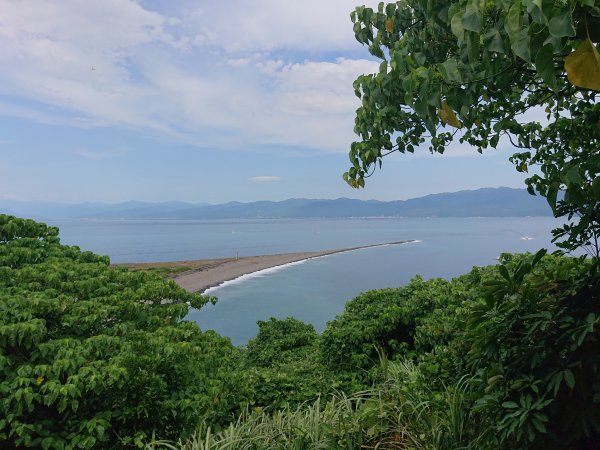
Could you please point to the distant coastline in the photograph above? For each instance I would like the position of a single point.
(484, 202)
(215, 274)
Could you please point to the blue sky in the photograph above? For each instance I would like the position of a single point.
(198, 101)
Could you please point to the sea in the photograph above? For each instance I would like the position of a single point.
(314, 290)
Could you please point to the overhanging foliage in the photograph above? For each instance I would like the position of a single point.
(489, 73)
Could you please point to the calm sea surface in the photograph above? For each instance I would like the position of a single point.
(315, 290)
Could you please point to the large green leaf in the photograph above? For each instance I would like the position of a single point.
(493, 41)
(456, 25)
(544, 62)
(572, 176)
(471, 19)
(561, 25)
(512, 25)
(449, 70)
(534, 8)
(520, 46)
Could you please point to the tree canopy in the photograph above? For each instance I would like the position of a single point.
(94, 356)
(523, 73)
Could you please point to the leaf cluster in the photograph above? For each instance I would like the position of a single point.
(482, 72)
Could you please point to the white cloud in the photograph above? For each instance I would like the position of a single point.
(274, 24)
(320, 87)
(116, 63)
(238, 62)
(265, 179)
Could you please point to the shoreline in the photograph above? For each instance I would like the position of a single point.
(202, 279)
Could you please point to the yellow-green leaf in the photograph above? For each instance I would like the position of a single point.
(447, 115)
(583, 66)
(389, 25)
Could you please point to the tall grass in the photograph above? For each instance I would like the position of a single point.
(389, 416)
(310, 426)
(418, 418)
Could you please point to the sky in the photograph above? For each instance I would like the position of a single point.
(198, 101)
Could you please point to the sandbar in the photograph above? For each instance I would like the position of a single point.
(213, 275)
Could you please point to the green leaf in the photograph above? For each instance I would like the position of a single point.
(449, 70)
(534, 8)
(434, 98)
(544, 62)
(572, 176)
(471, 19)
(555, 42)
(562, 25)
(551, 196)
(510, 405)
(539, 425)
(457, 27)
(569, 378)
(473, 47)
(538, 256)
(493, 41)
(520, 45)
(421, 107)
(513, 22)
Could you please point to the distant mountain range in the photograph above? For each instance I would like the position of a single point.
(486, 202)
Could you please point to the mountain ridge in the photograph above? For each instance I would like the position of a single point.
(484, 202)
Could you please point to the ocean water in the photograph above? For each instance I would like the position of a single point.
(315, 290)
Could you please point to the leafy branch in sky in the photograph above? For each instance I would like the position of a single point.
(489, 73)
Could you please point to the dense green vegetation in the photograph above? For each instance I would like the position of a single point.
(505, 356)
(491, 74)
(97, 356)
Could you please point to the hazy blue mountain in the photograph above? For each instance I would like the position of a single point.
(130, 209)
(487, 202)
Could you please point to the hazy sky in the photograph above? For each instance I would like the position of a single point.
(202, 101)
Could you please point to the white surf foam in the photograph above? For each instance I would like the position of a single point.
(257, 274)
(270, 270)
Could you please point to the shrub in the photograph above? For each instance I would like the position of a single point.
(279, 341)
(392, 321)
(284, 367)
(92, 356)
(535, 348)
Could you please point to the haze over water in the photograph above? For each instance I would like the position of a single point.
(316, 290)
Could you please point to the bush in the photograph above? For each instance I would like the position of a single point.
(284, 367)
(279, 341)
(394, 322)
(92, 356)
(535, 349)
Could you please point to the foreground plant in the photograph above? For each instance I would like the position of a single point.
(92, 356)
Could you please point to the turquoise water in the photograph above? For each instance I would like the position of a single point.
(316, 290)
